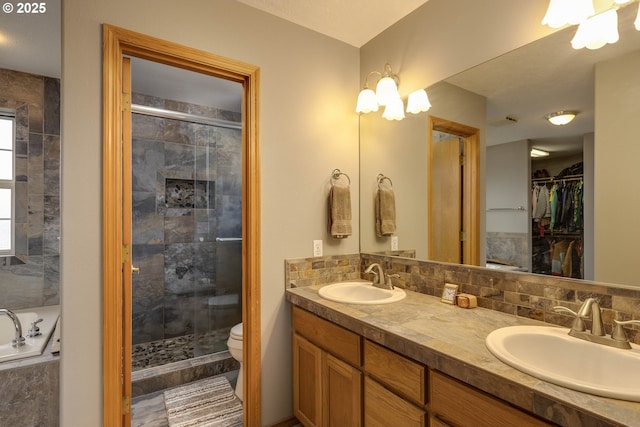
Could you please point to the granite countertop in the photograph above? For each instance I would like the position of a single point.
(452, 340)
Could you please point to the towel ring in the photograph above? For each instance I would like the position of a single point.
(381, 178)
(335, 176)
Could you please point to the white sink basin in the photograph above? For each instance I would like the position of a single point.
(550, 354)
(360, 293)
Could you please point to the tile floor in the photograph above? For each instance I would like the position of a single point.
(148, 410)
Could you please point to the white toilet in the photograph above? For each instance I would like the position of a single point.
(235, 348)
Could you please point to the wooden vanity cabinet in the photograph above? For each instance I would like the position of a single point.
(394, 388)
(342, 379)
(327, 381)
(454, 403)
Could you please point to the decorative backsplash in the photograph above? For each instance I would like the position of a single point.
(521, 294)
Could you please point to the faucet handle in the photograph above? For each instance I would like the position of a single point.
(34, 330)
(618, 332)
(578, 323)
(391, 276)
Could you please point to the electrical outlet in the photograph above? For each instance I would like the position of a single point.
(317, 248)
(394, 243)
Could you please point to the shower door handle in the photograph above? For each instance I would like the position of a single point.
(135, 270)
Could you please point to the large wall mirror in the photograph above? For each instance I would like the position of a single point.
(507, 99)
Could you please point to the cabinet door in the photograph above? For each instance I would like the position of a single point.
(342, 394)
(307, 382)
(382, 408)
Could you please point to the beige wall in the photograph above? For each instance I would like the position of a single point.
(302, 141)
(617, 151)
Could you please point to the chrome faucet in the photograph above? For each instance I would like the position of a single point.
(591, 308)
(19, 339)
(379, 276)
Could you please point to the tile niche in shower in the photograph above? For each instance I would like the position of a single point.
(185, 193)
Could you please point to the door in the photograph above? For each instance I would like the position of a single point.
(454, 192)
(116, 262)
(446, 200)
(127, 266)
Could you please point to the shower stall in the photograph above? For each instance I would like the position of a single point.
(186, 222)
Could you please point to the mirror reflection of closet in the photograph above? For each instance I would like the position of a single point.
(536, 207)
(557, 211)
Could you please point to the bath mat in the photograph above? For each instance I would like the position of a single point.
(206, 403)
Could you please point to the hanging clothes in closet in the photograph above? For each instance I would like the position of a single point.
(557, 215)
(566, 206)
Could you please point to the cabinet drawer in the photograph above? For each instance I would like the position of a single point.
(397, 372)
(382, 408)
(328, 336)
(461, 405)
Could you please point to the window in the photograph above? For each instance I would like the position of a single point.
(7, 183)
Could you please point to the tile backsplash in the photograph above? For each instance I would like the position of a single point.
(521, 294)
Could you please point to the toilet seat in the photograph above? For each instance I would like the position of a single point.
(236, 332)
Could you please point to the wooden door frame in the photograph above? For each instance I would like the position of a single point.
(471, 185)
(118, 42)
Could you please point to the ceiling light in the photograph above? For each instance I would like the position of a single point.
(562, 12)
(597, 31)
(636, 23)
(418, 102)
(560, 118)
(535, 152)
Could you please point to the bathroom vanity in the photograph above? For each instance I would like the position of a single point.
(418, 362)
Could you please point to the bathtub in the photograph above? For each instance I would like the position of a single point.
(33, 346)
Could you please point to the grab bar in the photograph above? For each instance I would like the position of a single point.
(228, 239)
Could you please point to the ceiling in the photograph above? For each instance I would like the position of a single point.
(352, 21)
(545, 76)
(30, 42)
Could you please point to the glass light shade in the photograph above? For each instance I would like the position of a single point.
(367, 101)
(418, 102)
(394, 109)
(386, 90)
(561, 117)
(621, 1)
(562, 12)
(636, 23)
(597, 31)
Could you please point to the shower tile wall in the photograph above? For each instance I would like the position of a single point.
(186, 192)
(31, 277)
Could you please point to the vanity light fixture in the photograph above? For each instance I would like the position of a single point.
(563, 12)
(418, 102)
(594, 29)
(560, 118)
(536, 152)
(387, 95)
